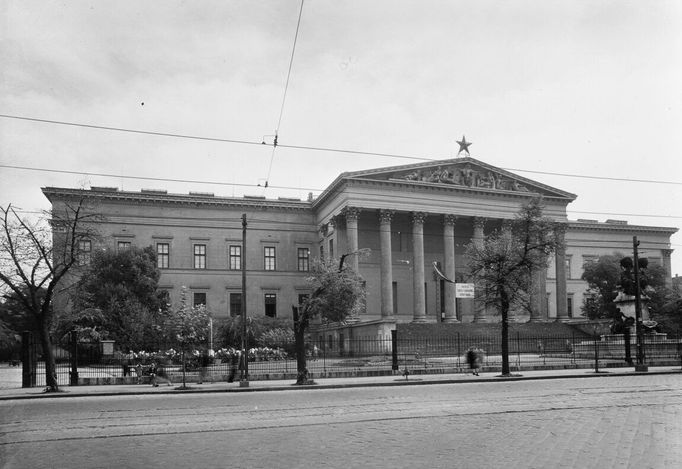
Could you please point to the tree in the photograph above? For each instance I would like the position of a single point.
(123, 287)
(504, 263)
(189, 326)
(602, 277)
(35, 256)
(337, 294)
(14, 315)
(610, 274)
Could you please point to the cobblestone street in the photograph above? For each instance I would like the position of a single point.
(617, 421)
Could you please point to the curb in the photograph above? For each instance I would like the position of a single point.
(306, 387)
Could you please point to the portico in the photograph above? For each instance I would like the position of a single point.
(413, 216)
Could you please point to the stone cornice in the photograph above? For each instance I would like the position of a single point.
(57, 193)
(596, 226)
(418, 186)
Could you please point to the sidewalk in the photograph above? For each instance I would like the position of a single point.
(326, 383)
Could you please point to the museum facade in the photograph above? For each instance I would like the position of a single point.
(393, 223)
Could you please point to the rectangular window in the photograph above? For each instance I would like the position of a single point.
(568, 267)
(162, 255)
(271, 305)
(123, 246)
(235, 304)
(303, 259)
(235, 257)
(269, 258)
(199, 256)
(84, 252)
(331, 248)
(322, 253)
(199, 299)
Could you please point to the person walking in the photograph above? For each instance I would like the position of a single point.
(473, 360)
(203, 369)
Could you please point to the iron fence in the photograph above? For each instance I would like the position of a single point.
(97, 363)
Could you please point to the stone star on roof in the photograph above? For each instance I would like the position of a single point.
(463, 145)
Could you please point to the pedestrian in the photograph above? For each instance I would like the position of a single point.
(152, 374)
(473, 360)
(234, 361)
(161, 376)
(203, 369)
(541, 348)
(138, 372)
(316, 352)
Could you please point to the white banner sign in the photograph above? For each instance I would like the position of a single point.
(464, 290)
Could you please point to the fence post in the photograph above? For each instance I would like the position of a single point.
(28, 360)
(394, 350)
(596, 353)
(73, 381)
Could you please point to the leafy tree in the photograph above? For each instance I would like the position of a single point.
(189, 326)
(118, 298)
(337, 294)
(34, 259)
(230, 329)
(602, 277)
(504, 263)
(607, 276)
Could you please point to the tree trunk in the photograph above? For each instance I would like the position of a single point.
(48, 356)
(505, 333)
(299, 336)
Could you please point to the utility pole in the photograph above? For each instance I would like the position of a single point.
(244, 381)
(638, 310)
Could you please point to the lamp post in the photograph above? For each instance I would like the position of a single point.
(638, 311)
(244, 378)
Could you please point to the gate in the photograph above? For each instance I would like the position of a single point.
(33, 362)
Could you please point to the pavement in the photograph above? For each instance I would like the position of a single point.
(326, 383)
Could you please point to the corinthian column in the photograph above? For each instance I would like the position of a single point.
(480, 313)
(449, 252)
(385, 217)
(419, 295)
(351, 214)
(560, 265)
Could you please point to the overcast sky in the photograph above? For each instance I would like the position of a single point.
(586, 88)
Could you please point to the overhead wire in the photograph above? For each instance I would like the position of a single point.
(327, 149)
(284, 97)
(219, 183)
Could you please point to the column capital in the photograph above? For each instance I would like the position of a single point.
(418, 217)
(449, 219)
(479, 222)
(667, 253)
(385, 216)
(351, 213)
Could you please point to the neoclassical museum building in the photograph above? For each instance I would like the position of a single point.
(402, 218)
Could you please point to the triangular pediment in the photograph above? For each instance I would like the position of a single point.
(462, 173)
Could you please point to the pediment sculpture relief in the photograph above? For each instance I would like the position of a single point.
(465, 176)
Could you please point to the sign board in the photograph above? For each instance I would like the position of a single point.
(464, 290)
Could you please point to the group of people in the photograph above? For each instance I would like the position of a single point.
(157, 374)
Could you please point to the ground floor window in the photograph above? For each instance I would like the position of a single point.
(199, 299)
(271, 305)
(235, 304)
